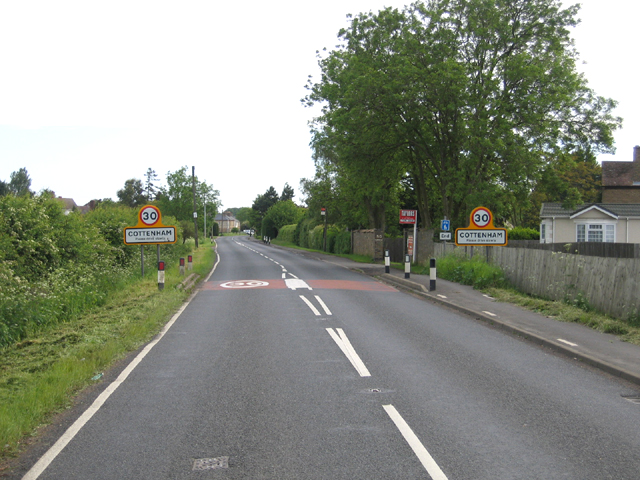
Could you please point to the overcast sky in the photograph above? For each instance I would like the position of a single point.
(94, 93)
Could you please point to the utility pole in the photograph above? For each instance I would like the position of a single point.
(195, 212)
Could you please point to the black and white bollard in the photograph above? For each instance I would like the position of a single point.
(190, 262)
(160, 275)
(182, 266)
(407, 266)
(387, 261)
(432, 275)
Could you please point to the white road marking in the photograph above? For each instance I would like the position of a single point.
(310, 305)
(345, 345)
(414, 442)
(72, 431)
(284, 275)
(489, 313)
(442, 296)
(294, 283)
(568, 343)
(322, 304)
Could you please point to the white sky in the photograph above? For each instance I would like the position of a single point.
(94, 93)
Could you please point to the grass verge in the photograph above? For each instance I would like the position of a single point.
(490, 279)
(40, 375)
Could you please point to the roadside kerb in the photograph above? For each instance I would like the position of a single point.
(556, 346)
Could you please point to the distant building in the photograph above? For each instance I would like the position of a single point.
(69, 205)
(227, 222)
(615, 220)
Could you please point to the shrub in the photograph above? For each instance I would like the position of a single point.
(476, 271)
(343, 243)
(523, 233)
(286, 233)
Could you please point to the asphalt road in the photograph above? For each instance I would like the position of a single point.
(288, 367)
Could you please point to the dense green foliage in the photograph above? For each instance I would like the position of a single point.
(54, 266)
(475, 271)
(452, 104)
(522, 233)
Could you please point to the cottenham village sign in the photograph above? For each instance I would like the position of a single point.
(481, 230)
(149, 230)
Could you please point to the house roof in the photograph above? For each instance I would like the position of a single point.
(622, 174)
(226, 216)
(613, 209)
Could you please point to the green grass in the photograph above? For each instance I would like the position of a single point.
(490, 279)
(40, 375)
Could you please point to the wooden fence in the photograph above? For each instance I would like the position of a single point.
(611, 285)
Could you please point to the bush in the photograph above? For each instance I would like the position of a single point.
(316, 237)
(476, 271)
(343, 243)
(286, 233)
(523, 233)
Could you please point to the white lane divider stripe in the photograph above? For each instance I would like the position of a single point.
(310, 305)
(323, 305)
(343, 342)
(414, 442)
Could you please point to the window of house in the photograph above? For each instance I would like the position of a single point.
(595, 232)
(543, 233)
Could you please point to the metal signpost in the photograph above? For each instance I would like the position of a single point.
(149, 231)
(408, 217)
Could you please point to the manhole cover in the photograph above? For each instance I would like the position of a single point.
(210, 463)
(245, 284)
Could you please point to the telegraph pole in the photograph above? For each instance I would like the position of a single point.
(195, 212)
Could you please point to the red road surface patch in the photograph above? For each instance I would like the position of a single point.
(315, 284)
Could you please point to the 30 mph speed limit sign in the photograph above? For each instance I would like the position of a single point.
(481, 230)
(481, 217)
(149, 215)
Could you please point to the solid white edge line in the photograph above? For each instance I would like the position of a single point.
(323, 305)
(44, 461)
(414, 442)
(41, 465)
(310, 305)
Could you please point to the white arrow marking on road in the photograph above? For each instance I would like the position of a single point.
(296, 283)
(345, 345)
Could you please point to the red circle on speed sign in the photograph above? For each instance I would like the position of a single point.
(481, 217)
(149, 215)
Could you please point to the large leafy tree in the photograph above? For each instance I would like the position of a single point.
(132, 194)
(176, 198)
(467, 97)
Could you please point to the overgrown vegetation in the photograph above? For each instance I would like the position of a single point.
(490, 278)
(54, 267)
(40, 374)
